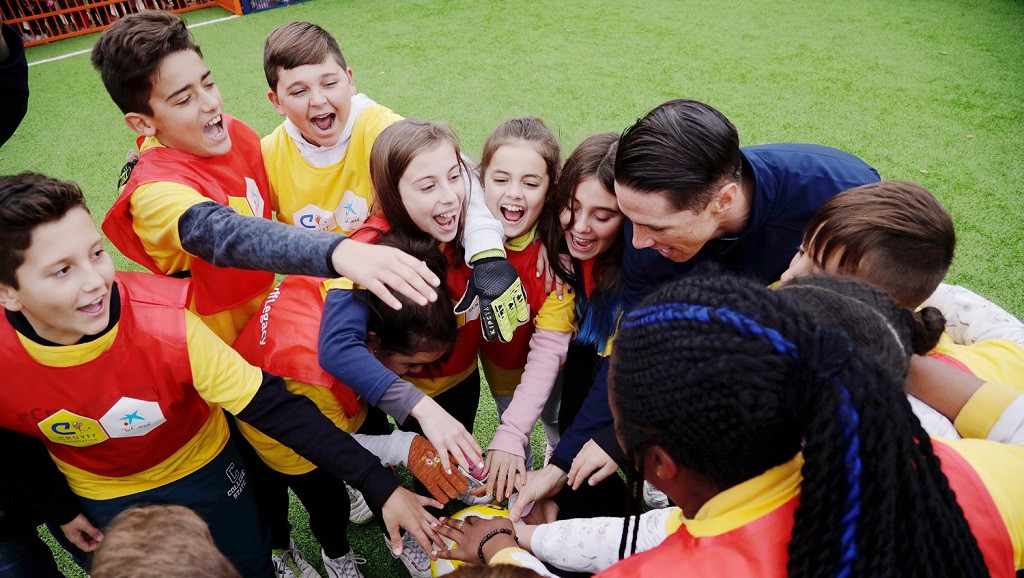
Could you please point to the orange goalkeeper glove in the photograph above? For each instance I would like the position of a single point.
(425, 463)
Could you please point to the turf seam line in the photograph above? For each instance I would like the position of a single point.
(87, 50)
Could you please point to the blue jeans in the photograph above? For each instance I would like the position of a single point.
(24, 555)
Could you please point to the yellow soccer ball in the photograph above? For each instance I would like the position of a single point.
(486, 511)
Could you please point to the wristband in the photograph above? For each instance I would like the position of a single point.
(491, 534)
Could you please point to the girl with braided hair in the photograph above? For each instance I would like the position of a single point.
(792, 452)
(876, 325)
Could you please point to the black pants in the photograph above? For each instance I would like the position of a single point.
(607, 498)
(578, 374)
(323, 495)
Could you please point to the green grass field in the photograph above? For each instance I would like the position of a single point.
(931, 92)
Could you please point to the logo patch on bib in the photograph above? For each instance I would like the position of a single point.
(71, 429)
(131, 417)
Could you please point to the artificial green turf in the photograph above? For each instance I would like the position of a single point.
(926, 91)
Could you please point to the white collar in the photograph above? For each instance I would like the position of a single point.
(319, 156)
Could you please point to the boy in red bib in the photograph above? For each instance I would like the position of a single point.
(200, 173)
(127, 386)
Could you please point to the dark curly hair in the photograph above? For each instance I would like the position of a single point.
(731, 381)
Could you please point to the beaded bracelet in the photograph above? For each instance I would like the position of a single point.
(491, 534)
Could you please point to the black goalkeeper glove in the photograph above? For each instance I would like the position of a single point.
(495, 285)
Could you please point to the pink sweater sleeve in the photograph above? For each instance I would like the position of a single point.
(547, 353)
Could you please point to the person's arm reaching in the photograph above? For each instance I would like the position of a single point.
(343, 353)
(298, 424)
(592, 544)
(978, 409)
(218, 235)
(494, 283)
(483, 233)
(222, 377)
(547, 353)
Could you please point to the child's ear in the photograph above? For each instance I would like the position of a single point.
(351, 82)
(9, 298)
(274, 100)
(373, 342)
(140, 123)
(658, 464)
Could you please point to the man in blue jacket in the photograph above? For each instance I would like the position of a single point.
(693, 196)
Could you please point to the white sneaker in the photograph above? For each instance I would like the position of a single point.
(289, 563)
(345, 567)
(416, 560)
(653, 497)
(359, 512)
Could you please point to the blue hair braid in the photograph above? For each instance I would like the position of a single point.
(746, 326)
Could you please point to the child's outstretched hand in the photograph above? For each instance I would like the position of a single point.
(478, 539)
(542, 483)
(378, 268)
(404, 511)
(495, 286)
(425, 463)
(502, 470)
(450, 437)
(591, 465)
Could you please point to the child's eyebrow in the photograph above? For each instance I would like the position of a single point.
(187, 86)
(324, 76)
(424, 178)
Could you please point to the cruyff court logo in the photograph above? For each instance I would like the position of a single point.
(350, 213)
(315, 218)
(70, 429)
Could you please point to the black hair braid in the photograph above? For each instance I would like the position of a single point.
(929, 323)
(634, 506)
(813, 549)
(895, 453)
(729, 380)
(839, 302)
